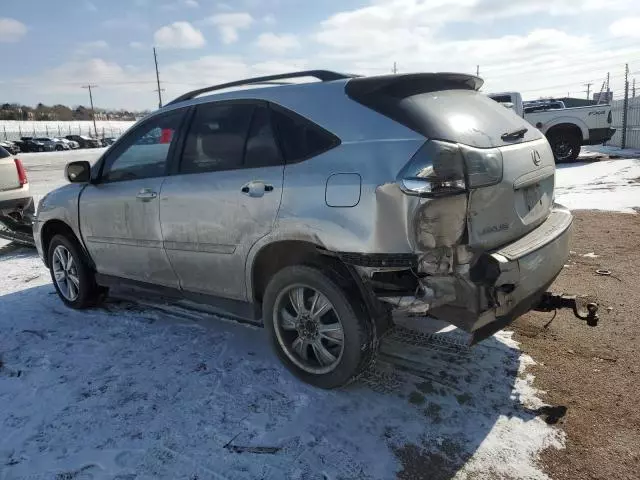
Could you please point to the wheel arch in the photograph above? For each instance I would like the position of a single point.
(272, 256)
(54, 227)
(565, 125)
(266, 259)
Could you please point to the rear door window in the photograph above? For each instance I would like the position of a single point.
(4, 153)
(299, 137)
(262, 147)
(217, 136)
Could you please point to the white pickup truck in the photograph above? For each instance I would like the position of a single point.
(565, 128)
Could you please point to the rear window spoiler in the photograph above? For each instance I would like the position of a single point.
(405, 85)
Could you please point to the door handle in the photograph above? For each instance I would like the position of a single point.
(146, 194)
(256, 188)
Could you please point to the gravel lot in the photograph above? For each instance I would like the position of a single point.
(593, 373)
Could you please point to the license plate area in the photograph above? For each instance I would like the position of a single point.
(532, 196)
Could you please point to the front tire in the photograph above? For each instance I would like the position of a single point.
(565, 146)
(72, 277)
(321, 335)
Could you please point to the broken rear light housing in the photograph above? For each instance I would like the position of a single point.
(22, 174)
(444, 168)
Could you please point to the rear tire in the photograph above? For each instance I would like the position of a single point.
(333, 349)
(59, 148)
(565, 146)
(74, 282)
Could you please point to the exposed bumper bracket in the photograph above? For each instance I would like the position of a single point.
(553, 301)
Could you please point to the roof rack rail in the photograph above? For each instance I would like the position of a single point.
(322, 75)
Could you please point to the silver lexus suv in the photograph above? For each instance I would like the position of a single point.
(320, 209)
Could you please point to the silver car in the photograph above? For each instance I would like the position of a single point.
(320, 209)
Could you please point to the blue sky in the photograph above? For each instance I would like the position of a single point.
(547, 47)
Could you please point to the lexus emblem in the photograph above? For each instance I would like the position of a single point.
(535, 156)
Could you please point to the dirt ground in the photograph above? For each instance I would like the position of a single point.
(592, 375)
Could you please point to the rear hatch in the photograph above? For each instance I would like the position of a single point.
(9, 178)
(508, 165)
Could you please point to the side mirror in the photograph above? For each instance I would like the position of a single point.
(78, 172)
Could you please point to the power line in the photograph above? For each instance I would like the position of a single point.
(93, 112)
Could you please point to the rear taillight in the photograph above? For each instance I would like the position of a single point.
(22, 174)
(436, 170)
(484, 166)
(442, 168)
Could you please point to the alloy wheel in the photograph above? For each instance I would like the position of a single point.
(65, 273)
(308, 329)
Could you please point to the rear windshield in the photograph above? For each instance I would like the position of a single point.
(456, 115)
(4, 153)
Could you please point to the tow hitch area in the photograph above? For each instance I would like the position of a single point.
(554, 301)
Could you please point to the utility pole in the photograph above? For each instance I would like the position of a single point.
(155, 59)
(93, 113)
(395, 68)
(626, 106)
(477, 70)
(588, 85)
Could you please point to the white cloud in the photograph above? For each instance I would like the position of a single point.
(11, 30)
(626, 27)
(229, 23)
(191, 3)
(277, 44)
(179, 35)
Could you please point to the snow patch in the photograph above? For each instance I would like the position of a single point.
(607, 185)
(132, 390)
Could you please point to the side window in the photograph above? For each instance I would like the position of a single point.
(217, 137)
(145, 152)
(301, 138)
(262, 148)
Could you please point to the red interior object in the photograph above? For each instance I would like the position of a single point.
(166, 135)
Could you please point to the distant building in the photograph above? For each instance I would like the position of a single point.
(603, 97)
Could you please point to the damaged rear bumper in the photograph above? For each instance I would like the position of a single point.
(511, 280)
(480, 293)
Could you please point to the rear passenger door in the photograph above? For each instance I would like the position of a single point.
(224, 197)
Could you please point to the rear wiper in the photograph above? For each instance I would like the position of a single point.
(515, 134)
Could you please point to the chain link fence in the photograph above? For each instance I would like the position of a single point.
(633, 123)
(14, 130)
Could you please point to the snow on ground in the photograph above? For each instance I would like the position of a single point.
(610, 151)
(605, 185)
(131, 391)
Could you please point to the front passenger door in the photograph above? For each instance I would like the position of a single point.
(119, 211)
